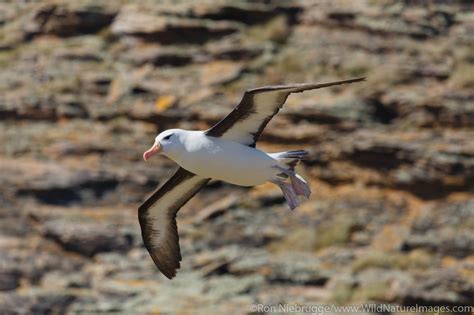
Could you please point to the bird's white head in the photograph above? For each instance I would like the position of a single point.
(168, 143)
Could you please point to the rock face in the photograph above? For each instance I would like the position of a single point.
(87, 239)
(169, 30)
(86, 86)
(9, 280)
(64, 21)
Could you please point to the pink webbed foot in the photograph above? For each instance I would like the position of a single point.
(289, 194)
(300, 186)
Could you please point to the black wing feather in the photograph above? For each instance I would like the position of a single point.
(157, 217)
(257, 107)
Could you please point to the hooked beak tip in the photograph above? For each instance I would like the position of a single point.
(155, 149)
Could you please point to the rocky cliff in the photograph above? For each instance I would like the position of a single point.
(85, 86)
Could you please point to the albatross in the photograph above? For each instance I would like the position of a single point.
(227, 152)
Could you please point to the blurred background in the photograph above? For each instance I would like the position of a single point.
(85, 86)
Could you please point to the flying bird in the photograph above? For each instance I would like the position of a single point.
(224, 152)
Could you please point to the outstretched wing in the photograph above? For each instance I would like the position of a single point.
(257, 107)
(157, 216)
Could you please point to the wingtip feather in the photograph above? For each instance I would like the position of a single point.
(360, 79)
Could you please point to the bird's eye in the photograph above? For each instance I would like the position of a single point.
(167, 137)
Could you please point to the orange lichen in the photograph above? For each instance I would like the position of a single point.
(164, 102)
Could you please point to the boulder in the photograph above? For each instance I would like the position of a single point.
(64, 21)
(86, 238)
(169, 30)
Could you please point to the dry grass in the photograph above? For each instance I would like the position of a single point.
(335, 232)
(416, 259)
(332, 233)
(463, 76)
(275, 30)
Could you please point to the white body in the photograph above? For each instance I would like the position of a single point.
(224, 160)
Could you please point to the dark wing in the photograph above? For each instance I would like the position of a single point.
(257, 107)
(157, 216)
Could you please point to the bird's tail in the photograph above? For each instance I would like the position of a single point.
(290, 158)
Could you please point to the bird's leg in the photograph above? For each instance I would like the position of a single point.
(288, 192)
(300, 186)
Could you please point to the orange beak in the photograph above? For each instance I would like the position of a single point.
(155, 149)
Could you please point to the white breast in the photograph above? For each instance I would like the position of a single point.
(226, 160)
